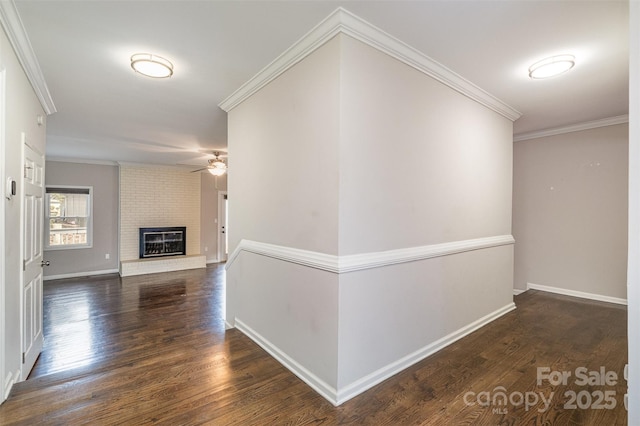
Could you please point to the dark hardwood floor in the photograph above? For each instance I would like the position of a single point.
(153, 350)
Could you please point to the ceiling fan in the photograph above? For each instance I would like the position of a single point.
(216, 167)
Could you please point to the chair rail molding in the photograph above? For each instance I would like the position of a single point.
(358, 262)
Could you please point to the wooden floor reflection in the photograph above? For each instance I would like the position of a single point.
(153, 350)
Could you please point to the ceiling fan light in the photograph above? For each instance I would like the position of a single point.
(552, 66)
(217, 171)
(219, 164)
(151, 65)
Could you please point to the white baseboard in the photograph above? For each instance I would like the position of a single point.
(575, 293)
(389, 370)
(339, 396)
(80, 274)
(517, 291)
(9, 381)
(325, 390)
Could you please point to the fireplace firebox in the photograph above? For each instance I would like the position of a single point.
(158, 242)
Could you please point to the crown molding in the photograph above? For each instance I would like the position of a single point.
(358, 262)
(587, 125)
(81, 161)
(343, 21)
(17, 35)
(177, 167)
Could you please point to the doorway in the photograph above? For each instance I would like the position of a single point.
(31, 291)
(223, 214)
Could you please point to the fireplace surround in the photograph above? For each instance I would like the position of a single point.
(162, 242)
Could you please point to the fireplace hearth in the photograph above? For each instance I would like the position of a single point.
(161, 242)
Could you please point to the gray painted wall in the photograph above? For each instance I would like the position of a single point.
(87, 261)
(570, 211)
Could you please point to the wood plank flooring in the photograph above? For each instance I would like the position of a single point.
(153, 350)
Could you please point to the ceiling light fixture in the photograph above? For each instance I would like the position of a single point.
(217, 171)
(217, 167)
(151, 65)
(552, 66)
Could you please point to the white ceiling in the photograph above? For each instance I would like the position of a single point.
(107, 112)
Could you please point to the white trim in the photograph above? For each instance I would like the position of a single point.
(517, 291)
(339, 396)
(324, 389)
(82, 161)
(47, 229)
(17, 35)
(588, 125)
(326, 262)
(7, 384)
(633, 255)
(185, 167)
(343, 21)
(359, 262)
(80, 274)
(389, 370)
(575, 293)
(9, 381)
(21, 194)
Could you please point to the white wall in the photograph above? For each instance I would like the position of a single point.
(283, 182)
(20, 110)
(570, 211)
(348, 154)
(88, 261)
(420, 164)
(283, 189)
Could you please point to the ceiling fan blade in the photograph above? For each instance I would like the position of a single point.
(199, 170)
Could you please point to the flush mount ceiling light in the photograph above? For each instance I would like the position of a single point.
(151, 65)
(550, 67)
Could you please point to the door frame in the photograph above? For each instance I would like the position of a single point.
(222, 257)
(2, 237)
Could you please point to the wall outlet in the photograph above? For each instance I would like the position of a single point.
(206, 249)
(107, 256)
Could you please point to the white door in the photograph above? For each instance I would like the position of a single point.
(223, 240)
(32, 239)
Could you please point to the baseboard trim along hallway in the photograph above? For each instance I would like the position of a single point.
(339, 396)
(575, 293)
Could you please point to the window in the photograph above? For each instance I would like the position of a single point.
(68, 217)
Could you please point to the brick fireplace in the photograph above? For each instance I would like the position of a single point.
(159, 197)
